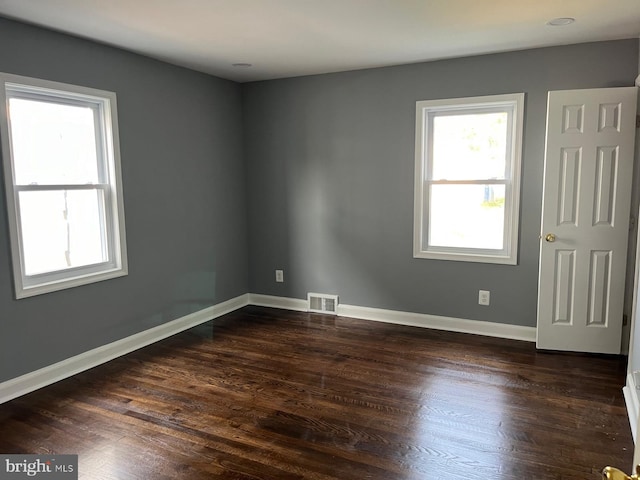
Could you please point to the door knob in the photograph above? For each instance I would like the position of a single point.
(550, 237)
(610, 473)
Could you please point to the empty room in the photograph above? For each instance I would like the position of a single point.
(337, 239)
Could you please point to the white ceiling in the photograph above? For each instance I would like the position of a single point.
(286, 38)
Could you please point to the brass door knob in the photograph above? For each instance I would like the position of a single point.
(610, 473)
(550, 237)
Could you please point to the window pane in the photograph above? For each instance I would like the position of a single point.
(62, 229)
(469, 146)
(53, 143)
(467, 216)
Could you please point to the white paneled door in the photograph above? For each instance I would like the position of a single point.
(585, 218)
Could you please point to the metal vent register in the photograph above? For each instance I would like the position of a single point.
(322, 303)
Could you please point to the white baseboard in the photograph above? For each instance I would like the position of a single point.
(489, 329)
(66, 368)
(436, 322)
(285, 303)
(32, 381)
(633, 405)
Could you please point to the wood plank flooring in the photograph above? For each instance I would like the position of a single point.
(270, 394)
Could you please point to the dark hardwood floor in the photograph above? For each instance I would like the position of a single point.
(271, 394)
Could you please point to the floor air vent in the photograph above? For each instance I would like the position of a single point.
(322, 303)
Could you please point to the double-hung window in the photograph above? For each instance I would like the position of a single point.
(467, 178)
(63, 183)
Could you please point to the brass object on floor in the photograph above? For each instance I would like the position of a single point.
(611, 473)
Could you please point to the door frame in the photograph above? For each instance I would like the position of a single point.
(630, 390)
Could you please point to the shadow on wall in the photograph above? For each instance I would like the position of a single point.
(326, 220)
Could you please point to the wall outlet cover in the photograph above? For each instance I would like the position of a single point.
(484, 297)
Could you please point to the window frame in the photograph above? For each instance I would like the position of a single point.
(104, 105)
(426, 110)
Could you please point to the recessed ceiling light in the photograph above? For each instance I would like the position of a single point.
(241, 65)
(561, 21)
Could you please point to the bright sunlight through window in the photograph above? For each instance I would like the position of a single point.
(467, 178)
(63, 185)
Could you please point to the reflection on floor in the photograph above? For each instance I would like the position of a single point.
(270, 394)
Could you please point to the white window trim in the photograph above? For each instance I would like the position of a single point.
(509, 255)
(117, 266)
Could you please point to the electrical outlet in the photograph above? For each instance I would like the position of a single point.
(484, 297)
(279, 276)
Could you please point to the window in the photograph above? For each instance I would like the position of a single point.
(62, 179)
(467, 178)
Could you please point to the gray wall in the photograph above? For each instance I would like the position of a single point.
(185, 201)
(330, 174)
(224, 183)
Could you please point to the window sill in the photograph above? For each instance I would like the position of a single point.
(77, 281)
(467, 257)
